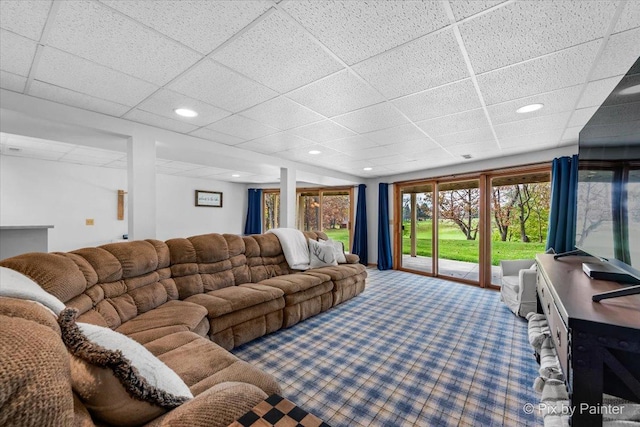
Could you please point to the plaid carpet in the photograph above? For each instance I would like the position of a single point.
(409, 350)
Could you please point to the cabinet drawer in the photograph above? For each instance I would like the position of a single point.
(546, 301)
(560, 336)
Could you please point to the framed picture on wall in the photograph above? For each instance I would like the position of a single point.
(211, 199)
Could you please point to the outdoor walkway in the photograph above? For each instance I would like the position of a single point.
(451, 268)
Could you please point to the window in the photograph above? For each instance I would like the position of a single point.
(322, 209)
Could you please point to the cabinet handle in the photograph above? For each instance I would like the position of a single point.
(549, 308)
(558, 336)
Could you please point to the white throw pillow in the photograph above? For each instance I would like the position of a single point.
(321, 254)
(118, 380)
(338, 250)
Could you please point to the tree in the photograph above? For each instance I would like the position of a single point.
(335, 210)
(503, 202)
(461, 207)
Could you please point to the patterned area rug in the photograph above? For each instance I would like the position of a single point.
(408, 351)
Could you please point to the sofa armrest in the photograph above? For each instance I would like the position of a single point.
(352, 258)
(513, 267)
(527, 292)
(218, 406)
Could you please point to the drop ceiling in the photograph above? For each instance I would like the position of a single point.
(395, 86)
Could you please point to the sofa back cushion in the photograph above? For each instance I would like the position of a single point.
(264, 257)
(207, 262)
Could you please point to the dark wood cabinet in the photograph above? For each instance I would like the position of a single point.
(598, 343)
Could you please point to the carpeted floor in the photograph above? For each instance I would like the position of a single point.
(410, 350)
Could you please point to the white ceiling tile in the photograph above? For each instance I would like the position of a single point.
(275, 143)
(323, 131)
(534, 28)
(478, 150)
(372, 118)
(242, 127)
(532, 141)
(460, 122)
(93, 31)
(581, 116)
(532, 125)
(164, 102)
(629, 18)
(219, 86)
(374, 152)
(442, 101)
(597, 91)
(336, 94)
(12, 81)
(282, 113)
(562, 69)
(16, 53)
(24, 17)
(201, 25)
(351, 144)
(68, 97)
(571, 134)
(117, 164)
(277, 54)
(412, 148)
(358, 30)
(621, 51)
(402, 133)
(466, 137)
(176, 166)
(68, 71)
(158, 121)
(404, 70)
(389, 159)
(302, 154)
(466, 8)
(554, 102)
(212, 135)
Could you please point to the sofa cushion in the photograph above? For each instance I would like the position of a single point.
(236, 298)
(212, 365)
(339, 272)
(34, 372)
(173, 316)
(300, 287)
(321, 254)
(118, 380)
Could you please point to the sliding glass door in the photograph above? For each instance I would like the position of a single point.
(519, 217)
(458, 226)
(417, 228)
(462, 228)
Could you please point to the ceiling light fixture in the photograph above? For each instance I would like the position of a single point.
(315, 152)
(631, 90)
(236, 175)
(367, 169)
(529, 108)
(185, 112)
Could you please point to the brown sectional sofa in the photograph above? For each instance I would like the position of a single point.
(170, 295)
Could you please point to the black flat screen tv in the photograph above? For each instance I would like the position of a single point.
(608, 200)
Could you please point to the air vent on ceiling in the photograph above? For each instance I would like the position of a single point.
(15, 149)
(466, 156)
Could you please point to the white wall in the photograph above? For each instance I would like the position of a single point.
(42, 192)
(177, 215)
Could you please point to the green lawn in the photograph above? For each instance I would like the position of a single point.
(454, 245)
(341, 235)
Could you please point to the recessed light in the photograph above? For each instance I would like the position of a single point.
(367, 169)
(529, 108)
(236, 175)
(315, 152)
(185, 112)
(631, 90)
